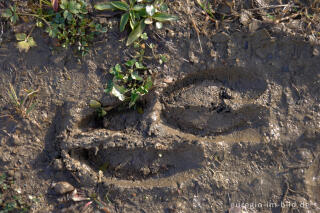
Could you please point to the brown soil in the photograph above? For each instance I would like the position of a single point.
(239, 123)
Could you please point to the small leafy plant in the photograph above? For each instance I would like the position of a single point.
(25, 105)
(137, 14)
(98, 107)
(128, 84)
(9, 200)
(67, 21)
(11, 14)
(25, 42)
(72, 26)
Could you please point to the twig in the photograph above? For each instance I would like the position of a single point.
(272, 6)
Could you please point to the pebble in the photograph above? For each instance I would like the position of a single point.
(193, 58)
(57, 164)
(63, 187)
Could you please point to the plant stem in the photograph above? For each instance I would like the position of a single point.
(35, 15)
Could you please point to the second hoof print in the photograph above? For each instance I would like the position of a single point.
(216, 102)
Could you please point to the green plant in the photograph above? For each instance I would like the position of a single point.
(25, 105)
(9, 201)
(71, 24)
(205, 6)
(130, 82)
(25, 42)
(138, 13)
(98, 107)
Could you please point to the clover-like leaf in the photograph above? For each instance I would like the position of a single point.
(136, 76)
(26, 44)
(139, 65)
(21, 36)
(131, 62)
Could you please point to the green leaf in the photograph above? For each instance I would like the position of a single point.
(21, 36)
(118, 92)
(130, 63)
(136, 33)
(95, 104)
(164, 17)
(31, 42)
(23, 46)
(136, 76)
(104, 6)
(164, 8)
(138, 7)
(148, 83)
(14, 18)
(139, 65)
(150, 10)
(109, 87)
(7, 13)
(102, 113)
(124, 21)
(133, 99)
(117, 68)
(144, 36)
(120, 5)
(31, 108)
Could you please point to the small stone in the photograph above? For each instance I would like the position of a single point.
(63, 187)
(193, 58)
(145, 171)
(11, 173)
(168, 80)
(213, 53)
(57, 164)
(245, 18)
(15, 140)
(316, 52)
(254, 25)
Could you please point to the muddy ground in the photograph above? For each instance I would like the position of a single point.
(233, 118)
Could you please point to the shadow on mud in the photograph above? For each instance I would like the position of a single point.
(215, 102)
(140, 163)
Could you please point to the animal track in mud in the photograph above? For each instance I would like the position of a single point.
(140, 162)
(213, 103)
(204, 104)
